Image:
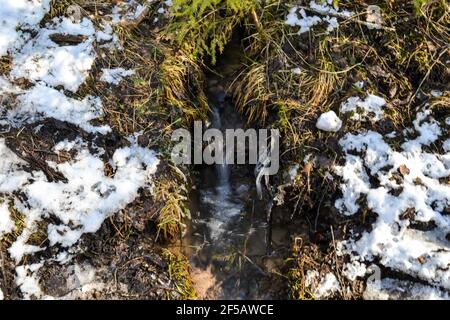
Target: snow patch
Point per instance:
(327, 286)
(16, 18)
(27, 280)
(41, 59)
(409, 191)
(354, 269)
(11, 174)
(44, 102)
(115, 76)
(371, 107)
(6, 224)
(87, 199)
(327, 14)
(402, 290)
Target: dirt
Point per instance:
(205, 283)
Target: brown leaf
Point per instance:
(404, 170)
(418, 182)
(421, 259)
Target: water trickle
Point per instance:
(227, 236)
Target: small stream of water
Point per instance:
(228, 231)
(227, 236)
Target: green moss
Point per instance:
(179, 273)
(418, 5)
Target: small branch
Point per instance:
(256, 20)
(66, 38)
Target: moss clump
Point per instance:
(418, 4)
(179, 273)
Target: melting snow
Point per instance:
(327, 286)
(328, 15)
(16, 18)
(41, 59)
(45, 102)
(28, 281)
(6, 224)
(408, 191)
(87, 199)
(363, 109)
(400, 289)
(115, 76)
(354, 270)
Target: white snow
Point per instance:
(296, 71)
(41, 59)
(311, 277)
(436, 93)
(402, 290)
(327, 14)
(359, 84)
(305, 22)
(126, 11)
(446, 145)
(27, 280)
(329, 121)
(327, 286)
(421, 254)
(11, 175)
(354, 269)
(1, 295)
(16, 18)
(115, 76)
(45, 102)
(89, 197)
(6, 224)
(371, 107)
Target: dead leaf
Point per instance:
(421, 259)
(419, 182)
(404, 170)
